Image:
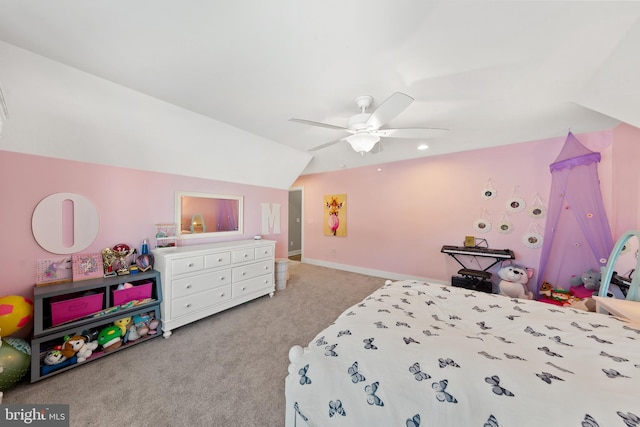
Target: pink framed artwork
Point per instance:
(87, 266)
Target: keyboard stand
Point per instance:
(478, 280)
(496, 254)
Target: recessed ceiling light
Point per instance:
(423, 147)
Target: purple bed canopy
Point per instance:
(577, 235)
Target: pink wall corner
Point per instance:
(129, 203)
(400, 217)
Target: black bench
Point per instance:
(476, 280)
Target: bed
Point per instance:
(420, 354)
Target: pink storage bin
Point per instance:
(138, 292)
(75, 308)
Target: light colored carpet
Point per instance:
(225, 370)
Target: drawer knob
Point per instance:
(244, 273)
(244, 289)
(219, 259)
(221, 295)
(246, 255)
(222, 278)
(188, 305)
(190, 264)
(188, 286)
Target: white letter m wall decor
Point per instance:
(270, 218)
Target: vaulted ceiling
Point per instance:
(492, 72)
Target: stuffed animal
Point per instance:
(54, 357)
(546, 289)
(123, 324)
(146, 324)
(514, 281)
(591, 280)
(110, 338)
(79, 346)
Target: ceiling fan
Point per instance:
(364, 128)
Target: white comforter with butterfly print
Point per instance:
(418, 354)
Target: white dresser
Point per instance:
(200, 280)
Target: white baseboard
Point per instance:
(371, 272)
(298, 252)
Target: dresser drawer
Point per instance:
(217, 260)
(202, 300)
(252, 285)
(264, 252)
(185, 265)
(242, 255)
(252, 270)
(202, 282)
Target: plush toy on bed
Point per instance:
(514, 281)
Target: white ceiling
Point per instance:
(493, 72)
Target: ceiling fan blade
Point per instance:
(389, 109)
(325, 145)
(379, 148)
(415, 133)
(324, 125)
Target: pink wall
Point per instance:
(625, 183)
(128, 201)
(401, 216)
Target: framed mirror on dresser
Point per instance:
(208, 215)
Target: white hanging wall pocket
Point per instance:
(505, 226)
(537, 208)
(515, 203)
(488, 192)
(482, 224)
(533, 239)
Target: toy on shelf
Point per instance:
(54, 360)
(165, 235)
(78, 346)
(53, 357)
(123, 324)
(145, 324)
(110, 338)
(514, 281)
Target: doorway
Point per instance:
(296, 196)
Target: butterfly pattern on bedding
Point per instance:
(467, 358)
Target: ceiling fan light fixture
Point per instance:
(363, 142)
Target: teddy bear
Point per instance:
(514, 281)
(79, 346)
